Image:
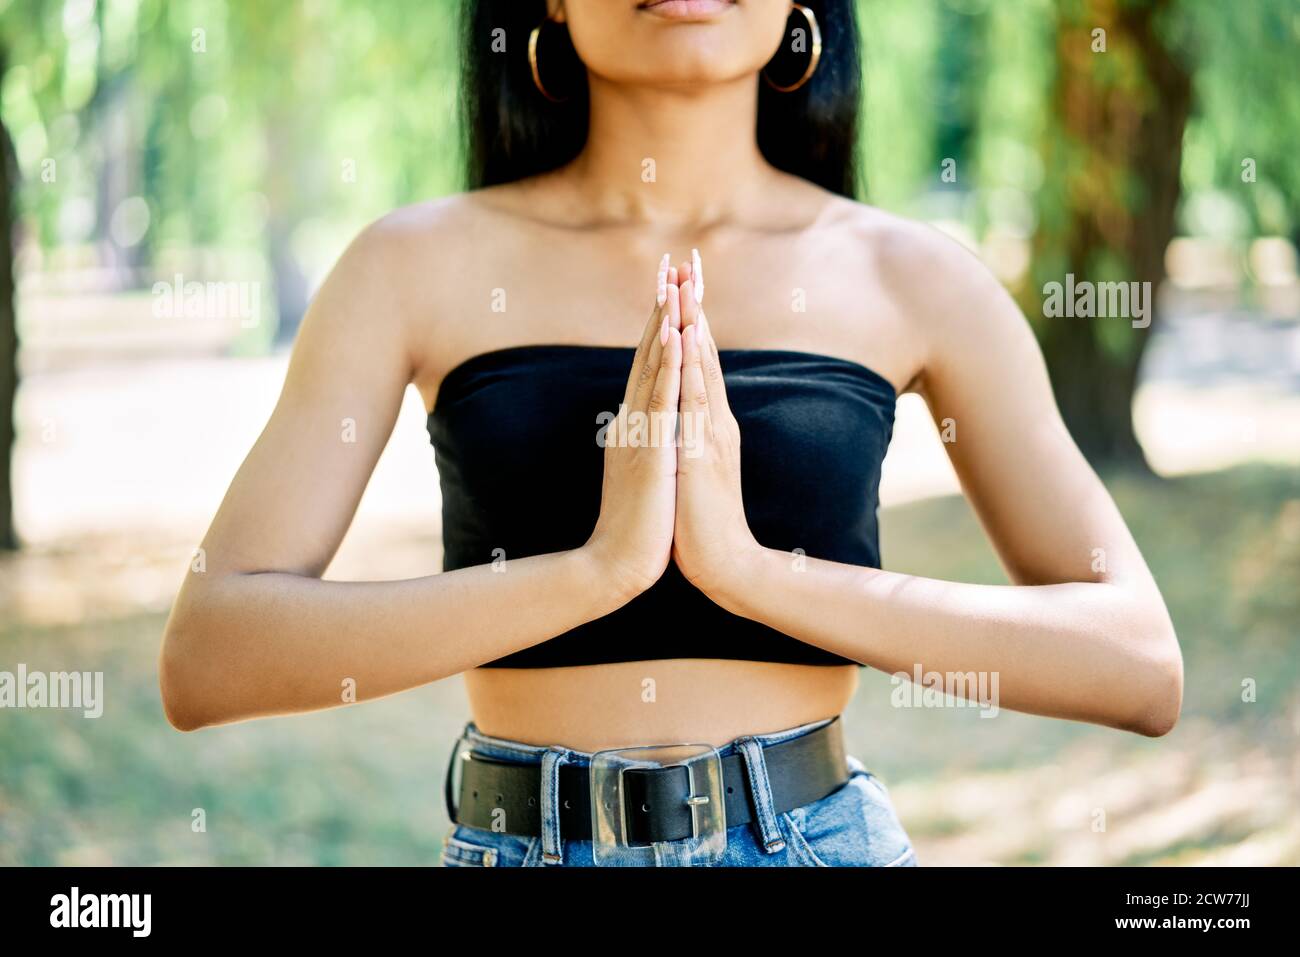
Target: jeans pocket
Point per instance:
(854, 826)
(473, 847)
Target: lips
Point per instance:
(686, 9)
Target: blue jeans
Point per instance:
(854, 826)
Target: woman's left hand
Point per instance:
(711, 538)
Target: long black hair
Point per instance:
(513, 131)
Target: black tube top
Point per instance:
(514, 438)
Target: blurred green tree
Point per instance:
(1111, 153)
(1244, 132)
(8, 329)
(1149, 104)
(29, 39)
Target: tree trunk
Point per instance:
(8, 332)
(289, 193)
(1112, 163)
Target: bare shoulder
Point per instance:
(410, 259)
(389, 252)
(420, 239)
(930, 272)
(412, 269)
(404, 238)
(947, 296)
(918, 297)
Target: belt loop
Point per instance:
(760, 788)
(552, 847)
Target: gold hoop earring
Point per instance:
(532, 62)
(816, 54)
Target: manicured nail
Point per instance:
(663, 332)
(662, 291)
(697, 275)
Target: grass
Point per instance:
(1225, 548)
(364, 785)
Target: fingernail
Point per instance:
(697, 275)
(662, 290)
(663, 332)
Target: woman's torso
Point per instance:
(803, 274)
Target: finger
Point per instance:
(671, 321)
(694, 402)
(650, 335)
(673, 304)
(697, 275)
(661, 281)
(646, 368)
(711, 362)
(647, 364)
(690, 306)
(667, 388)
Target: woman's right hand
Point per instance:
(633, 538)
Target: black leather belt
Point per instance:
(800, 770)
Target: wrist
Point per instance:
(736, 580)
(610, 579)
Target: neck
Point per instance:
(671, 156)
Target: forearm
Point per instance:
(249, 645)
(1089, 651)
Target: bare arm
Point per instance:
(258, 633)
(1082, 634)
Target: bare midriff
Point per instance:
(680, 700)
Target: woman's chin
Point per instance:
(692, 65)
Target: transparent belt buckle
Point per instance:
(705, 798)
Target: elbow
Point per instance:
(178, 678)
(1162, 695)
(181, 720)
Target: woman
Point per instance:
(623, 595)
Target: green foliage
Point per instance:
(899, 49)
(231, 112)
(1247, 107)
(223, 114)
